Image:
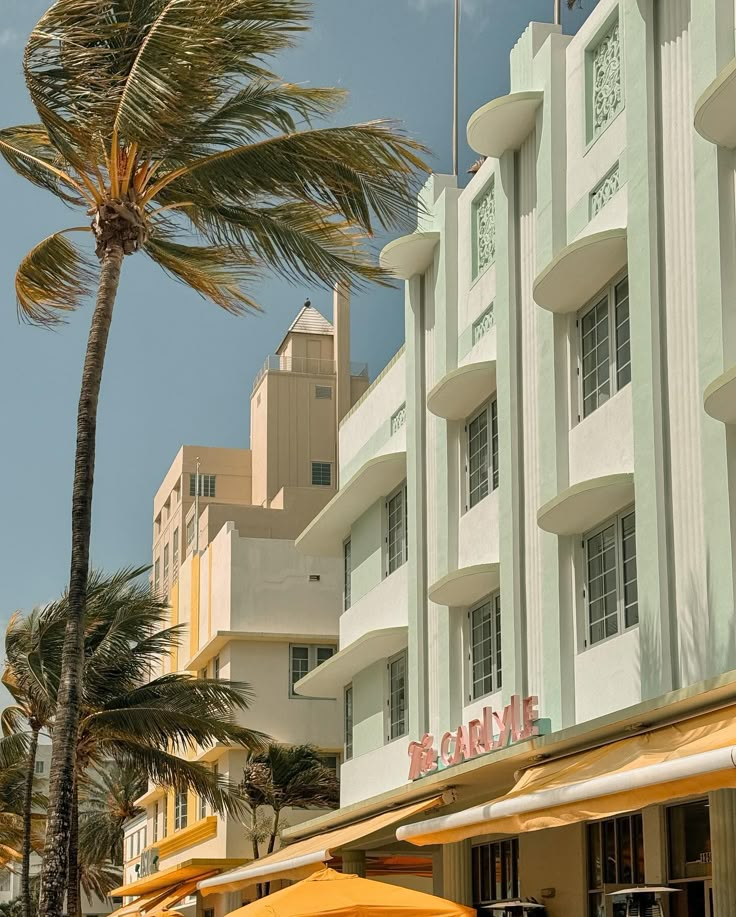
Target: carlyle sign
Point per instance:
(519, 720)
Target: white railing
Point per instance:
(313, 366)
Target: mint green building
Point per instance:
(536, 511)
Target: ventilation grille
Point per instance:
(323, 392)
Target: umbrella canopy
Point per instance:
(338, 895)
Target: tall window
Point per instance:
(39, 768)
(180, 811)
(482, 461)
(397, 724)
(397, 537)
(190, 531)
(348, 722)
(615, 857)
(302, 659)
(347, 572)
(216, 667)
(495, 870)
(175, 550)
(4, 880)
(166, 563)
(322, 474)
(611, 586)
(206, 485)
(605, 347)
(155, 822)
(485, 647)
(689, 841)
(202, 807)
(156, 576)
(165, 818)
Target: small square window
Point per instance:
(207, 483)
(322, 474)
(302, 659)
(323, 392)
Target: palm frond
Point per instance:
(28, 149)
(52, 278)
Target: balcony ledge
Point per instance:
(466, 586)
(462, 390)
(581, 270)
(375, 479)
(329, 678)
(503, 124)
(719, 398)
(586, 504)
(714, 109)
(409, 255)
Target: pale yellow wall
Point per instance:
(555, 859)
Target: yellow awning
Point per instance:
(159, 903)
(673, 762)
(168, 879)
(303, 858)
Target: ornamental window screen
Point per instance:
(606, 84)
(611, 580)
(397, 537)
(483, 324)
(495, 870)
(484, 230)
(605, 190)
(397, 720)
(484, 624)
(605, 347)
(398, 419)
(482, 462)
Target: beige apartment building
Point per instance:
(254, 609)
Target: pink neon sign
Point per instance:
(517, 721)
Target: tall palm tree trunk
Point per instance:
(73, 892)
(61, 780)
(25, 875)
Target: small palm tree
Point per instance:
(162, 121)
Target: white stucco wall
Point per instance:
(478, 533)
(384, 606)
(375, 772)
(608, 676)
(603, 442)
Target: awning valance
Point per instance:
(685, 759)
(299, 860)
(168, 879)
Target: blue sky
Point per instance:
(178, 369)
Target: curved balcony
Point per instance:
(409, 255)
(503, 124)
(466, 586)
(375, 479)
(714, 110)
(581, 270)
(719, 398)
(586, 504)
(462, 390)
(329, 678)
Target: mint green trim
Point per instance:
(579, 215)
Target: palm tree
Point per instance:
(284, 777)
(163, 122)
(108, 802)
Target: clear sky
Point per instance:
(178, 369)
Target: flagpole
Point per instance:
(558, 12)
(455, 87)
(196, 510)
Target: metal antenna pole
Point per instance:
(455, 87)
(196, 510)
(558, 12)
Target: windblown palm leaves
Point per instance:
(163, 117)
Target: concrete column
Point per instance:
(353, 862)
(723, 845)
(457, 878)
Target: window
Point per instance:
(180, 811)
(4, 880)
(165, 818)
(166, 563)
(331, 762)
(175, 550)
(605, 349)
(615, 857)
(155, 822)
(610, 578)
(202, 807)
(156, 576)
(39, 768)
(206, 485)
(495, 869)
(216, 667)
(348, 722)
(397, 724)
(482, 462)
(347, 571)
(322, 474)
(305, 658)
(688, 841)
(484, 624)
(208, 912)
(396, 538)
(190, 531)
(323, 392)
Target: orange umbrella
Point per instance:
(332, 893)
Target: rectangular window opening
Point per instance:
(322, 474)
(604, 347)
(610, 578)
(397, 706)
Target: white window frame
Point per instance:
(622, 627)
(490, 409)
(312, 654)
(155, 821)
(39, 767)
(347, 574)
(494, 600)
(322, 466)
(398, 657)
(181, 811)
(207, 485)
(348, 722)
(608, 292)
(216, 667)
(404, 556)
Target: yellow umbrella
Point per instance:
(332, 893)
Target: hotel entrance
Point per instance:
(689, 859)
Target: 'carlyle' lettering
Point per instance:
(495, 730)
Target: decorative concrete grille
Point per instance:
(485, 230)
(398, 419)
(607, 92)
(604, 191)
(483, 324)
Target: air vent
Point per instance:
(314, 577)
(323, 392)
